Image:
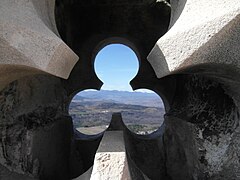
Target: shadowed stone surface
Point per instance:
(8, 175)
(214, 116)
(35, 135)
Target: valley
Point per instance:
(141, 112)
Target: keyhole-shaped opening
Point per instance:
(142, 110)
(116, 65)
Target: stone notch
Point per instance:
(116, 123)
(206, 33)
(29, 41)
(111, 159)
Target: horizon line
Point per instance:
(133, 91)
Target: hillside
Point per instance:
(125, 97)
(138, 109)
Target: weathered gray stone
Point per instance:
(33, 129)
(213, 116)
(29, 42)
(207, 32)
(5, 174)
(111, 159)
(181, 150)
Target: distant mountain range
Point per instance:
(92, 110)
(123, 97)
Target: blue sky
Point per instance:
(116, 65)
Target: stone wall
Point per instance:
(194, 66)
(35, 128)
(206, 105)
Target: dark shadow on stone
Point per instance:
(116, 123)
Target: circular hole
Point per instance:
(144, 113)
(116, 65)
(89, 114)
